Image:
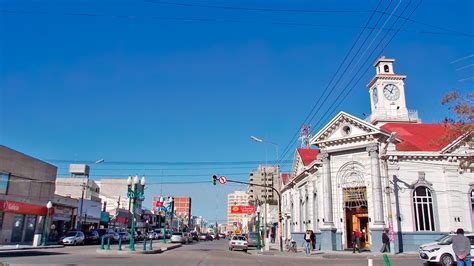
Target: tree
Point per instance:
(461, 121)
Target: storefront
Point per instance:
(20, 221)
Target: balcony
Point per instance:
(389, 116)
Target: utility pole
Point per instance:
(84, 185)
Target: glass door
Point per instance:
(30, 228)
(17, 231)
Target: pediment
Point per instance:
(344, 126)
(460, 146)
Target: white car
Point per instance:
(238, 242)
(179, 237)
(73, 238)
(441, 251)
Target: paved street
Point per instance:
(202, 253)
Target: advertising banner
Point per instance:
(245, 209)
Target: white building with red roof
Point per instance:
(386, 172)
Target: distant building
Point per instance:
(238, 198)
(26, 186)
(64, 218)
(264, 175)
(182, 209)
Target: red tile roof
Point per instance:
(421, 137)
(308, 155)
(285, 177)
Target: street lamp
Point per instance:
(135, 192)
(166, 209)
(259, 140)
(258, 229)
(49, 205)
(391, 139)
(84, 185)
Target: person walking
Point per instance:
(462, 248)
(313, 239)
(355, 241)
(307, 243)
(385, 242)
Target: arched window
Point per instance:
(423, 207)
(386, 69)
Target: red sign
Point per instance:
(158, 203)
(222, 180)
(24, 208)
(122, 220)
(243, 209)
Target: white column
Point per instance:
(377, 196)
(311, 214)
(327, 189)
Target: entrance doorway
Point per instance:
(357, 215)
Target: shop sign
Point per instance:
(246, 209)
(23, 208)
(104, 217)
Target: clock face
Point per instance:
(375, 96)
(391, 92)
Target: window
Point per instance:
(386, 69)
(3, 183)
(423, 208)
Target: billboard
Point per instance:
(245, 209)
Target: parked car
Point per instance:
(252, 239)
(221, 235)
(188, 237)
(159, 233)
(209, 237)
(92, 237)
(179, 237)
(73, 238)
(195, 236)
(106, 233)
(202, 237)
(441, 251)
(152, 235)
(115, 237)
(238, 242)
(140, 236)
(125, 236)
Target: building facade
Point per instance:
(387, 172)
(26, 186)
(235, 221)
(64, 218)
(266, 176)
(182, 210)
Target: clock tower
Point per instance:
(387, 95)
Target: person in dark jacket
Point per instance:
(355, 241)
(385, 242)
(462, 248)
(313, 239)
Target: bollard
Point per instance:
(387, 261)
(120, 244)
(102, 243)
(108, 243)
(151, 244)
(144, 245)
(370, 262)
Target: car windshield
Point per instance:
(177, 234)
(71, 234)
(239, 238)
(252, 235)
(447, 240)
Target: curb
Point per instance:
(154, 251)
(2, 250)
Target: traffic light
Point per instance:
(214, 179)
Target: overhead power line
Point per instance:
(165, 163)
(305, 11)
(214, 20)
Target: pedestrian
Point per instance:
(313, 240)
(355, 241)
(385, 242)
(307, 242)
(462, 248)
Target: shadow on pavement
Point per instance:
(25, 253)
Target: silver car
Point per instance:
(73, 238)
(179, 237)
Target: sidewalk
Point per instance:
(157, 248)
(274, 251)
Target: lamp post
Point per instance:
(84, 185)
(258, 228)
(259, 140)
(49, 205)
(135, 192)
(384, 157)
(167, 209)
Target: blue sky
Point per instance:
(159, 89)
